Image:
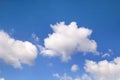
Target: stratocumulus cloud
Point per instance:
(68, 39)
(16, 52)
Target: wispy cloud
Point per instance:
(107, 54)
(35, 37)
(67, 77)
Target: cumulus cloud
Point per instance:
(67, 39)
(74, 68)
(67, 77)
(16, 52)
(104, 70)
(2, 78)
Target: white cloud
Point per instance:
(67, 77)
(2, 78)
(67, 39)
(74, 68)
(104, 70)
(16, 52)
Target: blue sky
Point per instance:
(27, 20)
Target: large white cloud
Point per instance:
(74, 68)
(16, 52)
(104, 70)
(67, 39)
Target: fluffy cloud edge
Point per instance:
(67, 40)
(16, 52)
(104, 70)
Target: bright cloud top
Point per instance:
(104, 70)
(74, 68)
(67, 39)
(16, 52)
